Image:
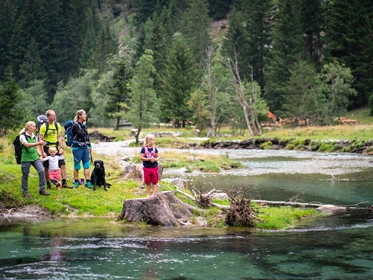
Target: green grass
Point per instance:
(283, 217)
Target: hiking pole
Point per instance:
(90, 153)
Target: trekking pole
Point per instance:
(90, 153)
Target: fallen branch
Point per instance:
(287, 203)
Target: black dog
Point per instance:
(98, 175)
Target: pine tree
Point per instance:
(178, 82)
(349, 39)
(195, 28)
(259, 34)
(118, 103)
(287, 48)
(219, 8)
(9, 97)
(6, 26)
(32, 67)
(236, 42)
(143, 108)
(312, 20)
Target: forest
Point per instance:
(210, 63)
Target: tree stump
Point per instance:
(163, 209)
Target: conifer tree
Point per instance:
(143, 107)
(178, 81)
(118, 103)
(349, 39)
(32, 67)
(195, 28)
(259, 36)
(9, 97)
(236, 42)
(287, 48)
(6, 26)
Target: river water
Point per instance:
(331, 247)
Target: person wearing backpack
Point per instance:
(149, 157)
(81, 147)
(31, 154)
(50, 132)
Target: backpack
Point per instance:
(18, 148)
(69, 132)
(151, 154)
(40, 120)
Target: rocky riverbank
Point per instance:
(354, 146)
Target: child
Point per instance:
(54, 169)
(149, 157)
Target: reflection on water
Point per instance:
(98, 249)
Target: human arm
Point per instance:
(42, 131)
(60, 140)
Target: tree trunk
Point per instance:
(164, 209)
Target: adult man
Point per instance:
(53, 138)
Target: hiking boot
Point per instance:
(76, 184)
(88, 185)
(43, 192)
(26, 195)
(66, 186)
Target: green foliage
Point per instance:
(143, 107)
(179, 79)
(329, 147)
(75, 95)
(9, 97)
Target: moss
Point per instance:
(266, 145)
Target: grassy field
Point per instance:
(84, 202)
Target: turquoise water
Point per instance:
(333, 247)
(338, 248)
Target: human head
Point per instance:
(149, 140)
(52, 151)
(80, 116)
(51, 115)
(30, 127)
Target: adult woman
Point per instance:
(31, 155)
(81, 147)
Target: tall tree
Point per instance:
(143, 108)
(219, 8)
(6, 26)
(287, 48)
(118, 103)
(195, 28)
(9, 97)
(32, 67)
(236, 43)
(178, 81)
(349, 38)
(215, 88)
(259, 33)
(312, 20)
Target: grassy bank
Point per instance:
(82, 202)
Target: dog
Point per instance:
(98, 175)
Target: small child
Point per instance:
(54, 169)
(149, 157)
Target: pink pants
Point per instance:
(54, 176)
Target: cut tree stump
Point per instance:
(164, 209)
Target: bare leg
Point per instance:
(63, 172)
(76, 174)
(86, 174)
(148, 189)
(155, 187)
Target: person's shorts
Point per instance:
(46, 163)
(151, 175)
(81, 154)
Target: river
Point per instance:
(331, 247)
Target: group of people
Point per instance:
(46, 153)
